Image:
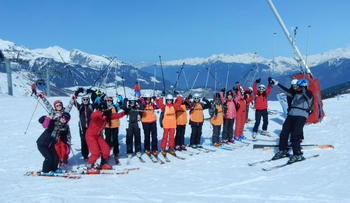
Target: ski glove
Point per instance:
(258, 80)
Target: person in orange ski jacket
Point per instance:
(96, 144)
(260, 96)
(196, 119)
(181, 121)
(168, 121)
(149, 123)
(216, 119)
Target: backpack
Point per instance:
(161, 117)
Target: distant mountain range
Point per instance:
(77, 68)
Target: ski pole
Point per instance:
(161, 67)
(36, 106)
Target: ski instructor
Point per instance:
(300, 108)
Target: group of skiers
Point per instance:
(99, 113)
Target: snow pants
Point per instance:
(227, 132)
(97, 145)
(51, 158)
(133, 132)
(168, 133)
(112, 139)
(83, 144)
(216, 133)
(180, 135)
(293, 125)
(258, 114)
(240, 122)
(150, 129)
(196, 133)
(62, 150)
(137, 93)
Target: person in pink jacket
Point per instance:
(260, 96)
(229, 110)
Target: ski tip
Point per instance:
(325, 146)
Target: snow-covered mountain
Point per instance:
(76, 67)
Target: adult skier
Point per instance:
(54, 128)
(168, 121)
(196, 119)
(97, 145)
(137, 90)
(260, 96)
(300, 108)
(149, 123)
(216, 119)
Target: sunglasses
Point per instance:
(110, 100)
(197, 98)
(85, 99)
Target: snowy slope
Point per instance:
(221, 176)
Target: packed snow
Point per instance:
(221, 176)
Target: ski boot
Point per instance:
(183, 147)
(237, 138)
(231, 141)
(163, 152)
(155, 153)
(105, 165)
(217, 144)
(171, 150)
(147, 152)
(265, 133)
(254, 135)
(295, 158)
(280, 154)
(242, 137)
(91, 169)
(178, 148)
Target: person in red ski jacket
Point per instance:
(95, 141)
(260, 95)
(137, 89)
(241, 116)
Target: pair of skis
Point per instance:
(267, 147)
(281, 165)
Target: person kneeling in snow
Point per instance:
(95, 141)
(47, 140)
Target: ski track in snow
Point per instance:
(221, 176)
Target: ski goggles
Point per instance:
(196, 98)
(59, 105)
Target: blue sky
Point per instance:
(141, 30)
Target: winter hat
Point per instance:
(56, 102)
(66, 116)
(169, 97)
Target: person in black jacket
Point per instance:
(85, 109)
(133, 131)
(301, 105)
(47, 140)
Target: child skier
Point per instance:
(149, 124)
(97, 145)
(133, 131)
(196, 119)
(216, 119)
(168, 121)
(261, 95)
(46, 142)
(181, 121)
(249, 100)
(112, 129)
(85, 110)
(229, 110)
(241, 117)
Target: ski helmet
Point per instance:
(262, 87)
(66, 116)
(303, 83)
(169, 97)
(196, 96)
(294, 82)
(57, 102)
(85, 98)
